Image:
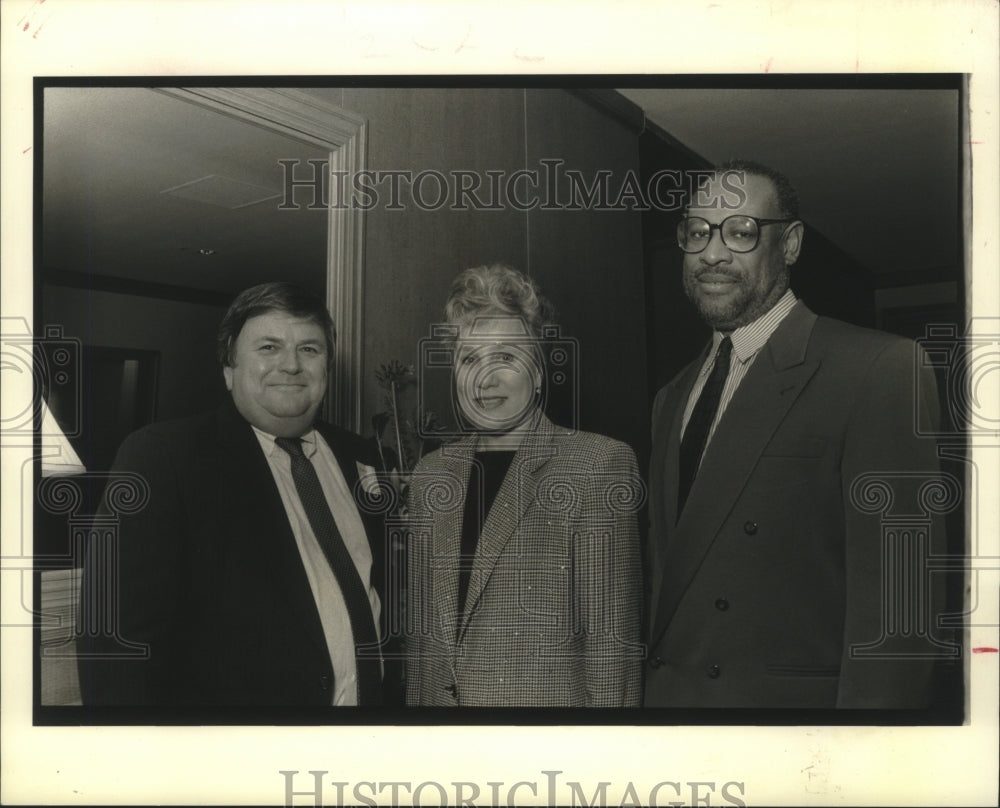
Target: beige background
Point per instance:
(794, 766)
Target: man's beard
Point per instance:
(744, 305)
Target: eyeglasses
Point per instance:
(739, 233)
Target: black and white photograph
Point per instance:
(394, 420)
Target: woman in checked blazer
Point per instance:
(524, 583)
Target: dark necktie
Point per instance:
(700, 422)
(355, 595)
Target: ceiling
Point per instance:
(877, 170)
(144, 186)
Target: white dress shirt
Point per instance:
(326, 591)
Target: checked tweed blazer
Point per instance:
(553, 606)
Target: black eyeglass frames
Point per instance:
(739, 233)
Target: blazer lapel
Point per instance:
(262, 531)
(446, 539)
(348, 457)
(764, 397)
(515, 496)
(665, 472)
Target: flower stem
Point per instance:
(395, 423)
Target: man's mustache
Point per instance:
(724, 273)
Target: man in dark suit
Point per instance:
(780, 458)
(252, 575)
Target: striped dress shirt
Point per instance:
(747, 342)
(326, 591)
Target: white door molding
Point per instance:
(344, 134)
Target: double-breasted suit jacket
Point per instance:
(554, 599)
(774, 587)
(209, 577)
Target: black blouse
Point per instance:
(485, 478)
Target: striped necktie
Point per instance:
(337, 555)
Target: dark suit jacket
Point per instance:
(776, 566)
(209, 577)
(553, 607)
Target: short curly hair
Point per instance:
(788, 197)
(265, 298)
(498, 290)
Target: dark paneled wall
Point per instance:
(675, 332)
(412, 255)
(588, 262)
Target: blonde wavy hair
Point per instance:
(498, 289)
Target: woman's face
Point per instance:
(497, 376)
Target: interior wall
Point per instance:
(675, 332)
(832, 283)
(413, 254)
(589, 262)
(188, 380)
(183, 333)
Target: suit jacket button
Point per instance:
(655, 662)
(721, 604)
(452, 691)
(750, 528)
(713, 672)
(324, 682)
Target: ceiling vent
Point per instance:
(222, 192)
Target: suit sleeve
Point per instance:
(889, 467)
(656, 529)
(131, 591)
(608, 579)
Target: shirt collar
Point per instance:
(750, 338)
(267, 443)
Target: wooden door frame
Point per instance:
(344, 134)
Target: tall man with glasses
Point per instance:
(774, 580)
